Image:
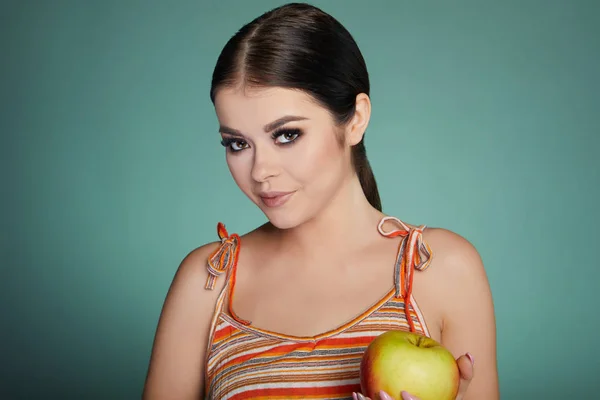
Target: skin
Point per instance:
(319, 261)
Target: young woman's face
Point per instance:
(283, 151)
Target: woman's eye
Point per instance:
(238, 145)
(287, 137)
(234, 145)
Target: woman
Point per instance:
(287, 310)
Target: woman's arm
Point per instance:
(176, 369)
(468, 311)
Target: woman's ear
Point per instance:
(358, 125)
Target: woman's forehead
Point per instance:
(263, 105)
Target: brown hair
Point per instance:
(301, 47)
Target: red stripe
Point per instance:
(224, 332)
(283, 349)
(342, 390)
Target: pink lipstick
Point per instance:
(275, 199)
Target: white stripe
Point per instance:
(348, 335)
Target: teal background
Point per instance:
(485, 121)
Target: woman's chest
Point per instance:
(305, 304)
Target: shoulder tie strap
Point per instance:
(224, 258)
(413, 254)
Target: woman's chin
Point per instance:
(283, 218)
(282, 221)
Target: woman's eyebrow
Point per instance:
(229, 131)
(271, 126)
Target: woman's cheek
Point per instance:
(316, 158)
(240, 172)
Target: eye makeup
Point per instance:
(231, 142)
(290, 135)
(282, 136)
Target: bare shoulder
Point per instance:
(455, 256)
(176, 367)
(187, 290)
(192, 269)
(457, 272)
(459, 280)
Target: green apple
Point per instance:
(398, 360)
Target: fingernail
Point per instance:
(406, 396)
(471, 358)
(384, 396)
(354, 396)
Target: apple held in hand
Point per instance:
(398, 360)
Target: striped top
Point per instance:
(246, 362)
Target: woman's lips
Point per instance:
(275, 199)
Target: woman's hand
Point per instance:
(466, 368)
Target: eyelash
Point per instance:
(227, 142)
